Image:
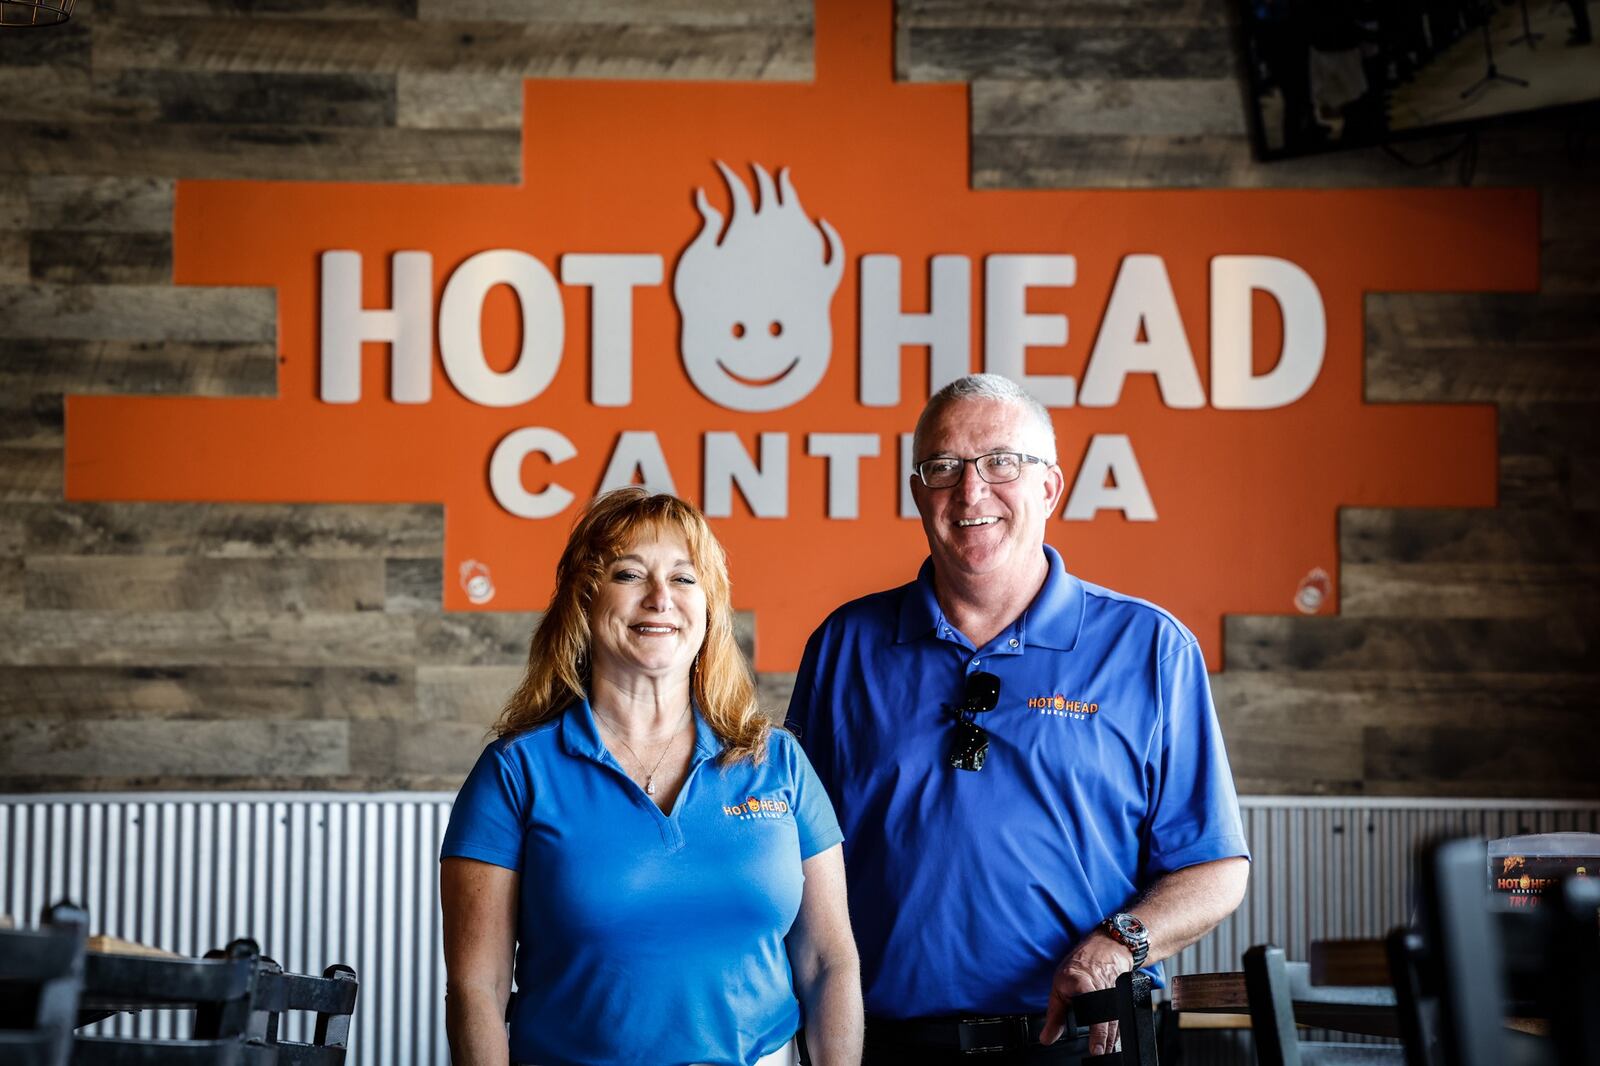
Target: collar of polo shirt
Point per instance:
(580, 735)
(1053, 620)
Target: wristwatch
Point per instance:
(1131, 933)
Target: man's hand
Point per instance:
(1094, 964)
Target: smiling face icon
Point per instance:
(755, 304)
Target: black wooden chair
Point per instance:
(1416, 1004)
(1471, 965)
(1281, 993)
(1574, 992)
(41, 977)
(331, 997)
(1127, 1004)
(218, 989)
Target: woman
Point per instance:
(660, 858)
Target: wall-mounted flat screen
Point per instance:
(1326, 74)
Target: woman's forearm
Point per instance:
(833, 1017)
(476, 1026)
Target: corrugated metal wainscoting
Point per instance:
(315, 879)
(323, 878)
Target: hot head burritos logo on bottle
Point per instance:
(745, 292)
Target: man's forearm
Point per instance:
(1185, 905)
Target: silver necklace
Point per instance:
(649, 778)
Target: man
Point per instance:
(1088, 824)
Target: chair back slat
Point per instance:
(1128, 1004)
(1461, 938)
(1413, 1001)
(218, 987)
(34, 955)
(158, 981)
(1271, 1007)
(1136, 1019)
(332, 993)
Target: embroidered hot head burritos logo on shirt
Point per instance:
(756, 807)
(1059, 706)
(649, 301)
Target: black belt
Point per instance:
(1003, 1032)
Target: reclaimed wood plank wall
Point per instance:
(181, 646)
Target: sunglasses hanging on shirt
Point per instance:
(970, 743)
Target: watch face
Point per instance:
(1130, 925)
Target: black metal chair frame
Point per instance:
(1127, 1004)
(333, 999)
(1575, 934)
(1471, 963)
(41, 978)
(1281, 993)
(218, 989)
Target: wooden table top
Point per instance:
(110, 945)
(1345, 986)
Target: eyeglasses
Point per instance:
(970, 743)
(996, 468)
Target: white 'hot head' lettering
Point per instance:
(755, 299)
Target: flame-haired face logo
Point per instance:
(755, 298)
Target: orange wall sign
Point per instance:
(746, 290)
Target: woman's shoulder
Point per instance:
(782, 743)
(784, 756)
(528, 743)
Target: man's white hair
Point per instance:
(982, 387)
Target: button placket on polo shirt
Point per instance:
(671, 825)
(1006, 644)
(671, 834)
(668, 825)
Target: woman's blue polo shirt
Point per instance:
(645, 937)
(1105, 771)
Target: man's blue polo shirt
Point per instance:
(1105, 770)
(645, 937)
